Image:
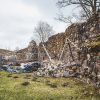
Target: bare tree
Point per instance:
(44, 31)
(90, 7)
(64, 19)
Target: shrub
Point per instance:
(65, 84)
(53, 85)
(25, 83)
(48, 82)
(9, 75)
(34, 79)
(15, 77)
(27, 77)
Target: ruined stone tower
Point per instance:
(32, 54)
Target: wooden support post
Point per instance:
(70, 51)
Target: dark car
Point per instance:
(4, 68)
(32, 67)
(27, 69)
(8, 69)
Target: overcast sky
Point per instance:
(19, 17)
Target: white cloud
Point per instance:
(18, 18)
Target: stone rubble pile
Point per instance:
(58, 70)
(88, 71)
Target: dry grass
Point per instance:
(40, 88)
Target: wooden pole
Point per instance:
(70, 51)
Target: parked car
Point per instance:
(10, 70)
(4, 68)
(35, 66)
(30, 67)
(7, 68)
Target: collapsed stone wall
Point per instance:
(4, 52)
(28, 54)
(24, 55)
(78, 33)
(54, 46)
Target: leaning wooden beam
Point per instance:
(70, 51)
(47, 52)
(66, 42)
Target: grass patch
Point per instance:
(40, 88)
